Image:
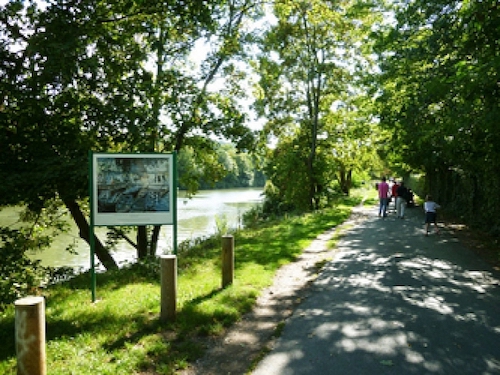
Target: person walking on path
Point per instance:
(430, 208)
(394, 194)
(383, 195)
(401, 200)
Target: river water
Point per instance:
(200, 216)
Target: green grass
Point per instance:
(122, 333)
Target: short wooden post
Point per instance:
(30, 336)
(168, 287)
(227, 260)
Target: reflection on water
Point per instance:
(196, 217)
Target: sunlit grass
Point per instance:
(121, 333)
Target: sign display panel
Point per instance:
(132, 189)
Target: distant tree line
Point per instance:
(237, 170)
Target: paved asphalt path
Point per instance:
(393, 301)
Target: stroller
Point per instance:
(410, 202)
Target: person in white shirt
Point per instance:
(430, 208)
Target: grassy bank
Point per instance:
(122, 334)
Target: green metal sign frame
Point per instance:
(132, 190)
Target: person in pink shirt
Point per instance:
(383, 195)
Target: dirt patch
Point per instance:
(244, 343)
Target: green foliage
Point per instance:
(311, 79)
(19, 276)
(274, 204)
(440, 100)
(221, 168)
(222, 225)
(198, 164)
(29, 232)
(288, 174)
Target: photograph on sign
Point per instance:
(132, 189)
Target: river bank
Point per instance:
(122, 334)
(200, 216)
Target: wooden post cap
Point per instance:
(28, 301)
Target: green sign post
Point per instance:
(132, 190)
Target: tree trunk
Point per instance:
(100, 251)
(348, 181)
(142, 242)
(345, 180)
(312, 185)
(154, 240)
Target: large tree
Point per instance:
(311, 58)
(351, 140)
(91, 75)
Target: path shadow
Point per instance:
(395, 302)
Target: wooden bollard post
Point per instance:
(168, 287)
(30, 336)
(227, 260)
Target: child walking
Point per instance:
(430, 208)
